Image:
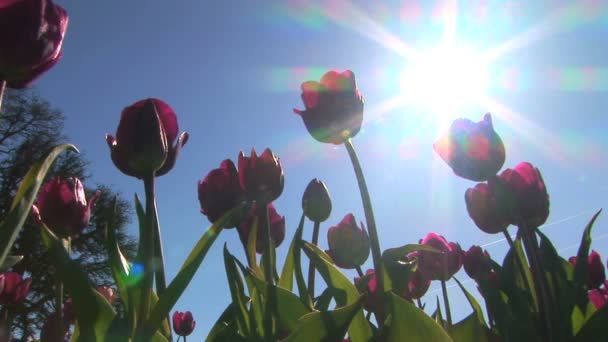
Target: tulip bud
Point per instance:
(63, 207)
(485, 208)
(598, 297)
(435, 265)
(349, 245)
(220, 191)
(183, 323)
(31, 38)
(455, 256)
(417, 285)
(107, 293)
(477, 263)
(277, 228)
(372, 301)
(144, 139)
(316, 202)
(261, 177)
(334, 107)
(597, 275)
(14, 288)
(528, 195)
(473, 150)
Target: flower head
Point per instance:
(183, 323)
(436, 265)
(144, 142)
(334, 107)
(277, 228)
(529, 201)
(596, 275)
(316, 202)
(477, 263)
(486, 207)
(417, 285)
(261, 177)
(473, 150)
(13, 288)
(220, 191)
(63, 207)
(372, 301)
(31, 37)
(349, 245)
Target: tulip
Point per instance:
(348, 244)
(49, 329)
(183, 323)
(477, 263)
(372, 301)
(144, 143)
(473, 150)
(417, 285)
(529, 205)
(598, 297)
(261, 177)
(596, 274)
(63, 207)
(31, 38)
(220, 191)
(277, 228)
(107, 293)
(13, 288)
(334, 107)
(455, 256)
(434, 265)
(485, 206)
(316, 201)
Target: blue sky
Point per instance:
(232, 69)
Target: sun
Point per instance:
(445, 80)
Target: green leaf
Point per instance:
(10, 261)
(359, 329)
(473, 302)
(24, 199)
(186, 272)
(325, 326)
(408, 323)
(237, 292)
(251, 246)
(95, 314)
(141, 218)
(286, 278)
(324, 299)
(437, 314)
(224, 328)
(581, 268)
(595, 327)
(468, 329)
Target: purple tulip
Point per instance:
(261, 177)
(349, 245)
(316, 201)
(220, 191)
(183, 323)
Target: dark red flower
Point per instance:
(334, 107)
(63, 207)
(31, 37)
(261, 177)
(477, 263)
(455, 256)
(108, 293)
(220, 191)
(417, 285)
(473, 150)
(277, 228)
(49, 329)
(433, 265)
(485, 207)
(529, 205)
(372, 301)
(597, 275)
(144, 143)
(598, 297)
(183, 323)
(316, 202)
(13, 288)
(349, 245)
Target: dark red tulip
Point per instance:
(477, 263)
(473, 150)
(484, 206)
(334, 107)
(31, 37)
(49, 329)
(349, 245)
(598, 297)
(183, 323)
(597, 275)
(261, 177)
(63, 207)
(528, 195)
(372, 301)
(220, 191)
(277, 228)
(435, 266)
(417, 285)
(144, 143)
(13, 288)
(455, 256)
(316, 202)
(108, 293)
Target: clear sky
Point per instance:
(232, 71)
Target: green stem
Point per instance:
(161, 283)
(369, 216)
(311, 266)
(148, 251)
(2, 89)
(446, 303)
(360, 272)
(522, 270)
(264, 223)
(419, 303)
(540, 281)
(58, 311)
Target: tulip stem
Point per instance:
(522, 270)
(540, 281)
(311, 266)
(360, 272)
(268, 272)
(446, 303)
(2, 89)
(369, 216)
(148, 251)
(419, 303)
(58, 305)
